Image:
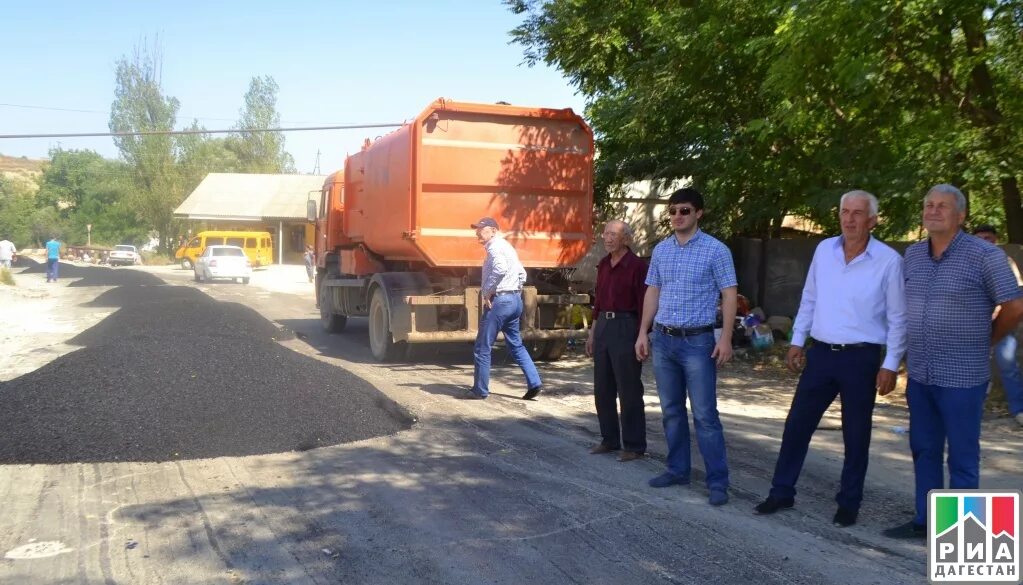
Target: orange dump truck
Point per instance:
(393, 240)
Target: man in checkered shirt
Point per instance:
(688, 273)
(953, 283)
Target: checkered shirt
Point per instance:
(949, 302)
(690, 278)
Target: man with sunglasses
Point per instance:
(689, 272)
(853, 305)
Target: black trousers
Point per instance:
(616, 378)
(850, 374)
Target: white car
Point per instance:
(229, 262)
(124, 255)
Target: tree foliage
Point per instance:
(776, 108)
(141, 106)
(261, 152)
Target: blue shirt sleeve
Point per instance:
(999, 281)
(724, 269)
(653, 273)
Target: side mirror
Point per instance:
(310, 210)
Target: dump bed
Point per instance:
(412, 194)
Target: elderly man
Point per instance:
(953, 284)
(617, 306)
(853, 304)
(1005, 350)
(688, 273)
(501, 290)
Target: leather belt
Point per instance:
(617, 315)
(683, 331)
(508, 292)
(844, 346)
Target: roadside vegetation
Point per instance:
(6, 277)
(130, 200)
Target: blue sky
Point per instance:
(335, 62)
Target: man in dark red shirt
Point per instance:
(617, 307)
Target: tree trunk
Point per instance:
(1013, 210)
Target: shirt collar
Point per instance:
(951, 246)
(696, 237)
(629, 255)
(870, 250)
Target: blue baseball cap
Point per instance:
(485, 222)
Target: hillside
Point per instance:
(22, 169)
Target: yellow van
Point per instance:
(257, 246)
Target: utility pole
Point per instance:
(316, 169)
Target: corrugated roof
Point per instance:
(250, 196)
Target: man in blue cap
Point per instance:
(501, 292)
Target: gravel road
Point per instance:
(174, 374)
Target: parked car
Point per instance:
(227, 262)
(124, 255)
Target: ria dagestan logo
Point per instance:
(973, 536)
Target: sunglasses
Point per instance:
(680, 210)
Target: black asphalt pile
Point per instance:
(174, 374)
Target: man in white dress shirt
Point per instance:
(853, 305)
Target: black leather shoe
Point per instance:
(532, 393)
(601, 448)
(907, 531)
(773, 504)
(845, 517)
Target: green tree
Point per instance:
(140, 105)
(776, 107)
(261, 152)
(17, 207)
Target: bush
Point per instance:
(156, 259)
(6, 277)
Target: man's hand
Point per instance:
(589, 344)
(642, 347)
(795, 359)
(488, 301)
(885, 381)
(722, 351)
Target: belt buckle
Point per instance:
(609, 314)
(837, 346)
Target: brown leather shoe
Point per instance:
(600, 449)
(627, 456)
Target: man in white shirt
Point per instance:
(501, 292)
(7, 252)
(853, 304)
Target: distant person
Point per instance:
(853, 305)
(617, 307)
(8, 253)
(52, 259)
(689, 272)
(501, 293)
(1005, 350)
(310, 261)
(954, 281)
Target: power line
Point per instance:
(185, 132)
(179, 115)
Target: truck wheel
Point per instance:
(186, 264)
(381, 342)
(331, 322)
(553, 349)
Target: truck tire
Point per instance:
(381, 342)
(331, 322)
(553, 349)
(186, 264)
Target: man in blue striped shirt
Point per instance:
(688, 273)
(501, 291)
(954, 281)
(853, 305)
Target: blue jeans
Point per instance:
(684, 364)
(502, 316)
(937, 414)
(52, 266)
(1008, 368)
